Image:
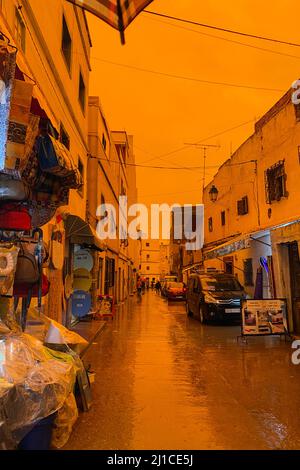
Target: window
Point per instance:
(20, 30)
(242, 206)
(148, 256)
(81, 92)
(223, 218)
(210, 224)
(228, 265)
(275, 182)
(64, 137)
(148, 268)
(66, 44)
(81, 171)
(104, 143)
(147, 244)
(248, 272)
(123, 189)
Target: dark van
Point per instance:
(215, 297)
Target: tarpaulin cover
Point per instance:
(45, 328)
(34, 383)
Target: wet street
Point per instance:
(164, 381)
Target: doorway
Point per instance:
(294, 262)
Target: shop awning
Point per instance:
(81, 233)
(239, 243)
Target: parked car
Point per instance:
(215, 297)
(176, 291)
(165, 282)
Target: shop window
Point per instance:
(242, 206)
(210, 224)
(66, 43)
(20, 29)
(81, 92)
(275, 182)
(248, 272)
(64, 137)
(81, 171)
(223, 218)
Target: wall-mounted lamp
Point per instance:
(213, 193)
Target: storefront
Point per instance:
(285, 246)
(83, 266)
(249, 258)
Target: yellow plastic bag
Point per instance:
(64, 422)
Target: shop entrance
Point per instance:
(295, 284)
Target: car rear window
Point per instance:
(175, 284)
(220, 284)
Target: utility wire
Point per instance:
(154, 166)
(270, 51)
(225, 30)
(191, 79)
(186, 147)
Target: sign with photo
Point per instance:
(264, 317)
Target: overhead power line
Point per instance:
(231, 41)
(225, 30)
(186, 147)
(191, 79)
(154, 166)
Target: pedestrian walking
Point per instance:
(158, 287)
(139, 287)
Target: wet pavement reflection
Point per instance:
(164, 381)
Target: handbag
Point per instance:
(22, 290)
(27, 271)
(12, 189)
(14, 216)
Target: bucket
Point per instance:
(39, 438)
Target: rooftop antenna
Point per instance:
(203, 147)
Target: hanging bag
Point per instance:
(27, 272)
(54, 157)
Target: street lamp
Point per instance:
(213, 193)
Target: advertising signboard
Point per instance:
(264, 317)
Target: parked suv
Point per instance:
(215, 297)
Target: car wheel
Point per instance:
(188, 311)
(202, 315)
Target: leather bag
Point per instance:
(27, 271)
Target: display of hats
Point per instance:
(83, 259)
(81, 303)
(82, 280)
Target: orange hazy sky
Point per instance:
(164, 113)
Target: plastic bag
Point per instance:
(8, 264)
(64, 422)
(8, 316)
(35, 383)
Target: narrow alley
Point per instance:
(165, 381)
